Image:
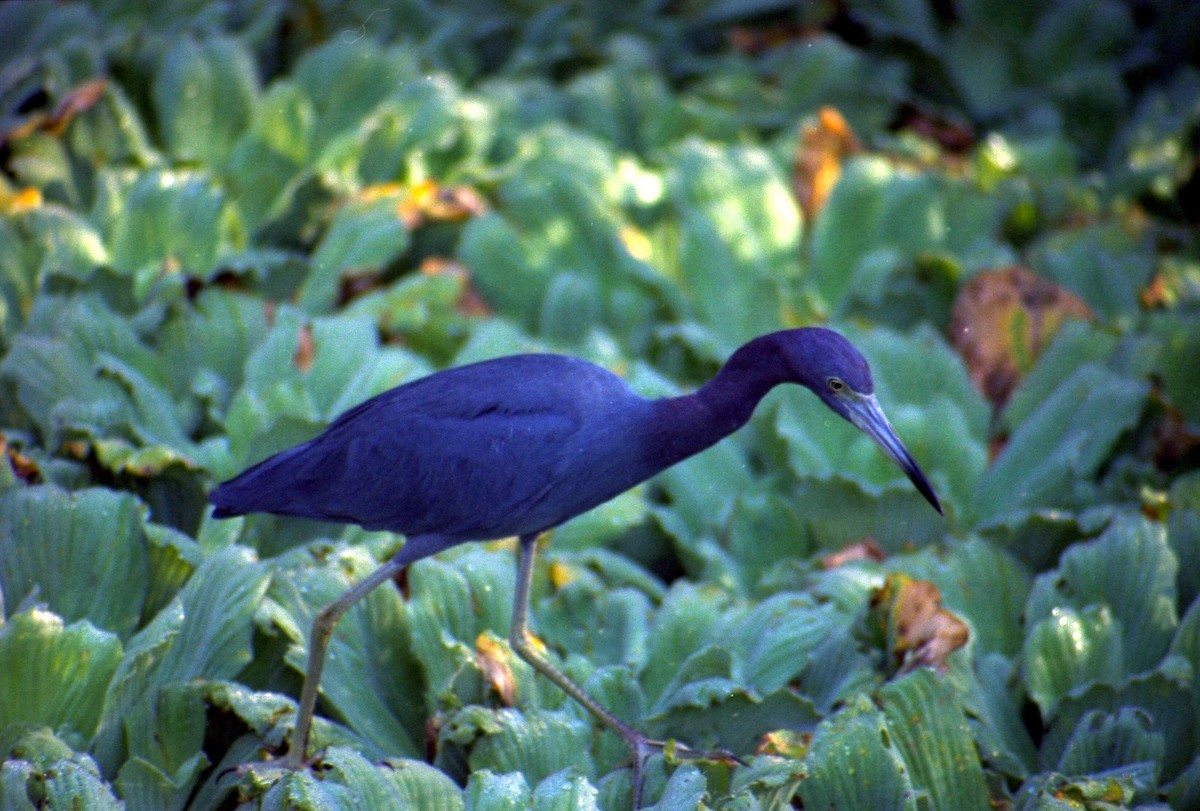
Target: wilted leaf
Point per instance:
(817, 163)
(1003, 320)
(493, 657)
(920, 633)
(863, 550)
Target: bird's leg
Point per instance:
(518, 638)
(318, 643)
(640, 745)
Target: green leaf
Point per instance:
(1131, 570)
(1165, 694)
(1052, 457)
(346, 79)
(776, 638)
(269, 162)
(169, 222)
(403, 783)
(488, 791)
(771, 782)
(686, 620)
(218, 604)
(1071, 648)
(55, 676)
(53, 543)
(1180, 347)
(926, 720)
(40, 771)
(854, 762)
(508, 279)
(1102, 742)
(204, 95)
(536, 744)
(993, 709)
(364, 236)
(988, 587)
(739, 234)
(566, 790)
(686, 788)
(719, 711)
(608, 625)
(66, 243)
(1103, 264)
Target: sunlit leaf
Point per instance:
(53, 543)
(42, 772)
(55, 676)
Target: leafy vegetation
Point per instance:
(225, 223)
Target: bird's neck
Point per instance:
(693, 422)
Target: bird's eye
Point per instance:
(835, 384)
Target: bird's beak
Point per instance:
(864, 412)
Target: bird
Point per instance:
(518, 445)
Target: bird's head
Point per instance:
(832, 368)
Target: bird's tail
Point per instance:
(274, 485)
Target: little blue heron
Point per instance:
(517, 446)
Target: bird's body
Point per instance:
(521, 444)
(495, 449)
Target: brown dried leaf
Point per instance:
(495, 662)
(302, 359)
(953, 136)
(920, 633)
(23, 467)
(866, 549)
(469, 303)
(428, 201)
(20, 201)
(784, 743)
(1175, 443)
(824, 144)
(355, 285)
(1003, 320)
(753, 40)
(77, 100)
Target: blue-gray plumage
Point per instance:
(519, 445)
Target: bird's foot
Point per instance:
(642, 748)
(675, 751)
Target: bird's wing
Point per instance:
(482, 451)
(469, 467)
